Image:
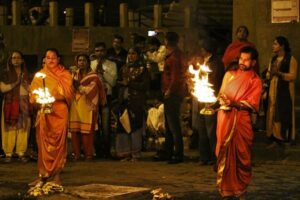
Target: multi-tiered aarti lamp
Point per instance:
(202, 89)
(43, 95)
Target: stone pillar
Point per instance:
(53, 13)
(123, 15)
(69, 17)
(157, 16)
(16, 12)
(131, 19)
(88, 14)
(3, 15)
(187, 17)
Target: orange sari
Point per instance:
(51, 129)
(234, 132)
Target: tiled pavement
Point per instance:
(276, 175)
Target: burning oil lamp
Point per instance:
(202, 89)
(43, 95)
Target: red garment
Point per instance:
(173, 78)
(84, 140)
(12, 98)
(235, 135)
(12, 110)
(232, 52)
(97, 94)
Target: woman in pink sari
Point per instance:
(239, 96)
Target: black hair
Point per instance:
(9, 61)
(119, 37)
(82, 55)
(35, 14)
(172, 38)
(154, 41)
(100, 44)
(282, 41)
(135, 49)
(53, 50)
(244, 27)
(251, 50)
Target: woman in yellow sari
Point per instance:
(89, 93)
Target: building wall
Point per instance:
(34, 40)
(256, 15)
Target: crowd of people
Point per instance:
(101, 102)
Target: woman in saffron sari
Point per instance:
(15, 114)
(51, 128)
(239, 96)
(90, 92)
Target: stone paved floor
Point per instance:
(276, 175)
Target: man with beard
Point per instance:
(239, 96)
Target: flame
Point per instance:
(204, 68)
(202, 89)
(43, 96)
(40, 75)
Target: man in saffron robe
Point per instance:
(51, 128)
(232, 52)
(239, 96)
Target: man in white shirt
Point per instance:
(107, 71)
